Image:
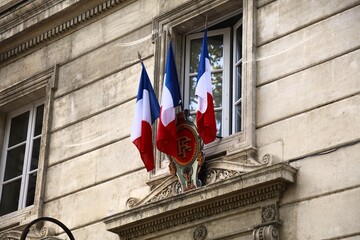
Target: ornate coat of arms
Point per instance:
(190, 158)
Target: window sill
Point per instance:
(16, 218)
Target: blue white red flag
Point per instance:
(205, 115)
(146, 112)
(166, 134)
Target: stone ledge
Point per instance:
(240, 191)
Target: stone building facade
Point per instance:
(286, 82)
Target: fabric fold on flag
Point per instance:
(205, 115)
(170, 99)
(146, 112)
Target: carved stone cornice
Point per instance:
(59, 29)
(237, 192)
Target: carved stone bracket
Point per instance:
(269, 228)
(269, 232)
(42, 233)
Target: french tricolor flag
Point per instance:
(146, 112)
(166, 135)
(205, 115)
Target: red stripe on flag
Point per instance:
(166, 140)
(206, 123)
(145, 146)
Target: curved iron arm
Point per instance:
(53, 220)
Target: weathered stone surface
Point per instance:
(331, 216)
(284, 16)
(101, 165)
(112, 90)
(90, 133)
(17, 22)
(65, 49)
(95, 203)
(316, 130)
(133, 16)
(261, 3)
(92, 231)
(326, 173)
(308, 89)
(306, 47)
(22, 69)
(103, 61)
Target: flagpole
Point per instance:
(171, 38)
(206, 21)
(139, 56)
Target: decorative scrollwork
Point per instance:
(268, 213)
(35, 233)
(177, 189)
(131, 202)
(216, 175)
(171, 190)
(200, 233)
(266, 159)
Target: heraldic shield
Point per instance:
(190, 158)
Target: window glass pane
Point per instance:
(238, 43)
(18, 130)
(218, 116)
(35, 154)
(31, 189)
(14, 162)
(39, 119)
(215, 48)
(238, 118)
(195, 50)
(216, 80)
(10, 197)
(192, 100)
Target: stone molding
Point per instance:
(267, 183)
(25, 87)
(43, 233)
(59, 29)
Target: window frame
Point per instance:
(26, 171)
(41, 85)
(235, 63)
(189, 18)
(225, 32)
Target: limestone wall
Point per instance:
(91, 154)
(308, 111)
